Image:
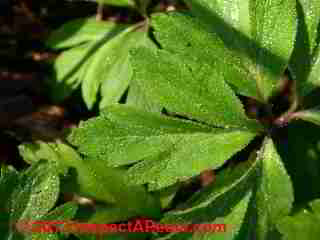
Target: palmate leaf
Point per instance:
(188, 88)
(304, 224)
(98, 59)
(29, 195)
(165, 150)
(305, 61)
(254, 31)
(85, 37)
(109, 68)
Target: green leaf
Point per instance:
(309, 115)
(8, 180)
(221, 202)
(304, 64)
(28, 196)
(303, 224)
(274, 36)
(87, 174)
(274, 196)
(235, 14)
(167, 195)
(81, 31)
(311, 20)
(233, 222)
(123, 135)
(100, 64)
(181, 161)
(170, 148)
(39, 150)
(109, 68)
(97, 61)
(118, 78)
(61, 213)
(111, 215)
(187, 88)
(36, 193)
(254, 30)
(313, 77)
(121, 3)
(136, 98)
(180, 33)
(231, 185)
(66, 72)
(43, 236)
